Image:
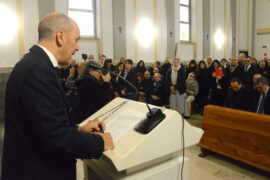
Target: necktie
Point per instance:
(261, 105)
(125, 74)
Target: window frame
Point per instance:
(183, 22)
(94, 11)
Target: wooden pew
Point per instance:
(240, 135)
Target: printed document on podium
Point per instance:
(122, 123)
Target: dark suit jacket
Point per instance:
(181, 80)
(40, 140)
(147, 85)
(164, 68)
(256, 97)
(238, 72)
(159, 90)
(117, 83)
(131, 77)
(238, 100)
(248, 77)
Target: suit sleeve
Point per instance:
(47, 116)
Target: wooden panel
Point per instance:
(239, 135)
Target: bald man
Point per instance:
(235, 70)
(41, 142)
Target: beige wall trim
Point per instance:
(89, 40)
(263, 31)
(135, 35)
(248, 23)
(225, 28)
(19, 12)
(238, 26)
(100, 40)
(155, 3)
(214, 27)
(187, 43)
(196, 33)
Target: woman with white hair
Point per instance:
(175, 81)
(191, 91)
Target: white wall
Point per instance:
(221, 19)
(130, 34)
(244, 13)
(31, 20)
(145, 9)
(228, 38)
(61, 6)
(219, 26)
(193, 50)
(261, 22)
(86, 46)
(199, 30)
(107, 28)
(9, 51)
(89, 46)
(186, 52)
(162, 30)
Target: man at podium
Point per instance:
(41, 142)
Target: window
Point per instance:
(185, 30)
(84, 13)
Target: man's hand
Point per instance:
(172, 89)
(107, 77)
(116, 94)
(92, 126)
(142, 93)
(155, 97)
(108, 142)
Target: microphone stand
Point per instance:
(153, 117)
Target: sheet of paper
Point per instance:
(122, 123)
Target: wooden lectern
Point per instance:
(154, 155)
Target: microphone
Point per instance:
(153, 117)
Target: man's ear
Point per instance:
(60, 37)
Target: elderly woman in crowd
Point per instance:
(158, 93)
(191, 91)
(175, 81)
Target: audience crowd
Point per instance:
(239, 82)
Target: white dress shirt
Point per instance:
(51, 56)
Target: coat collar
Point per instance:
(41, 53)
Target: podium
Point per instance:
(156, 155)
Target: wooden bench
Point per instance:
(240, 135)
(193, 108)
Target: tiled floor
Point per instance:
(212, 167)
